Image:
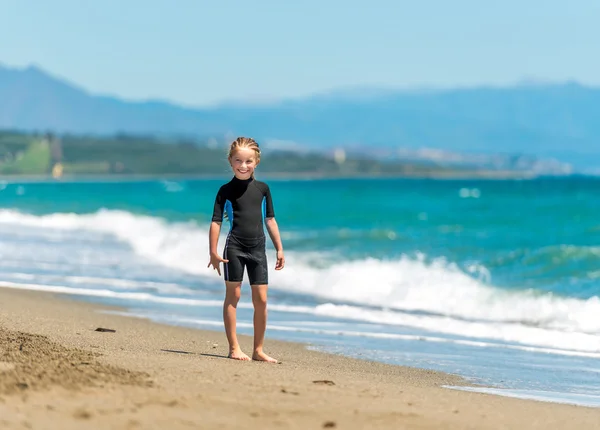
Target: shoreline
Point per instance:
(442, 176)
(150, 375)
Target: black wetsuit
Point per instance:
(247, 203)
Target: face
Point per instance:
(243, 162)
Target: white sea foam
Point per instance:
(354, 333)
(588, 400)
(435, 296)
(119, 284)
(442, 288)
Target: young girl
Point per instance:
(247, 203)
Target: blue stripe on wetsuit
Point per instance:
(229, 210)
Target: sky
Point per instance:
(201, 53)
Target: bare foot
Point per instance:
(237, 354)
(261, 356)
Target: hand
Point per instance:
(280, 261)
(215, 261)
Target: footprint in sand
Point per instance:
(324, 382)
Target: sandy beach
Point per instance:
(58, 372)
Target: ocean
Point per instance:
(497, 281)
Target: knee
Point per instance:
(233, 294)
(259, 300)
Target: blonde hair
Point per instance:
(244, 142)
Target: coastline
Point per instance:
(147, 375)
(450, 175)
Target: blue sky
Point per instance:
(205, 52)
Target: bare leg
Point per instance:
(232, 297)
(259, 300)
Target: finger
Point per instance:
(218, 270)
(224, 261)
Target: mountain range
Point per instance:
(560, 121)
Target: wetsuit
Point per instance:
(247, 203)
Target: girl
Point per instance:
(247, 203)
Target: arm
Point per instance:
(214, 231)
(273, 230)
(213, 239)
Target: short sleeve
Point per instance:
(269, 211)
(219, 206)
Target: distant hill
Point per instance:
(558, 120)
(36, 156)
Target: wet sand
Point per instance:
(58, 372)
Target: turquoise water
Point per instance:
(495, 280)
